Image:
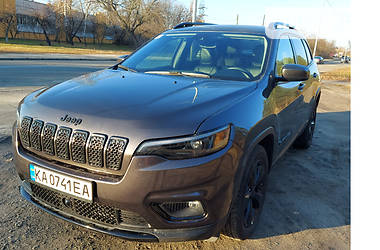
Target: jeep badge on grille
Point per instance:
(73, 120)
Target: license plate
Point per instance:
(60, 182)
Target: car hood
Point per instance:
(139, 105)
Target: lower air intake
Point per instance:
(93, 211)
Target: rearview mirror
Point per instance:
(295, 72)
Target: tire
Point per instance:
(248, 203)
(305, 139)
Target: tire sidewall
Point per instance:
(237, 211)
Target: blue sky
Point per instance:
(331, 17)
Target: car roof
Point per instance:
(251, 29)
(248, 29)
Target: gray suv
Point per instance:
(176, 141)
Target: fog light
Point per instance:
(186, 210)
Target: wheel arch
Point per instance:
(318, 95)
(265, 138)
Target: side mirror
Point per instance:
(122, 58)
(294, 72)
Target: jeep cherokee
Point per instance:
(175, 142)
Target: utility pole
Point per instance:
(264, 20)
(237, 19)
(195, 6)
(319, 29)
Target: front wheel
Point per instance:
(248, 203)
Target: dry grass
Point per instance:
(33, 46)
(343, 75)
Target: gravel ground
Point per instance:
(307, 205)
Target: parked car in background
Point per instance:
(176, 141)
(345, 59)
(319, 59)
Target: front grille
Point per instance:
(48, 138)
(35, 134)
(79, 146)
(62, 143)
(115, 151)
(93, 211)
(47, 196)
(95, 150)
(24, 131)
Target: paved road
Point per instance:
(38, 73)
(49, 72)
(330, 65)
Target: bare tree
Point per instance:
(46, 20)
(325, 48)
(86, 7)
(130, 14)
(69, 18)
(174, 13)
(99, 27)
(8, 20)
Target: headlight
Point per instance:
(187, 147)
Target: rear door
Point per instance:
(305, 88)
(311, 89)
(286, 96)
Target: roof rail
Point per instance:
(280, 25)
(190, 24)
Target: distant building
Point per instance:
(7, 6)
(27, 26)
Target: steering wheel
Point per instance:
(245, 72)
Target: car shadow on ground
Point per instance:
(310, 189)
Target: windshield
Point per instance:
(219, 55)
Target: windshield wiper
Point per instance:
(179, 73)
(119, 66)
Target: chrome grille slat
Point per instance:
(62, 143)
(95, 150)
(35, 134)
(24, 131)
(114, 152)
(78, 146)
(47, 137)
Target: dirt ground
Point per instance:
(307, 205)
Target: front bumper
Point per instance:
(132, 234)
(148, 180)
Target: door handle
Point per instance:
(315, 75)
(301, 86)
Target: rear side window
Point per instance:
(284, 55)
(299, 50)
(307, 49)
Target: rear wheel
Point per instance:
(305, 139)
(248, 204)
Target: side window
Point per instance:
(284, 55)
(307, 49)
(299, 50)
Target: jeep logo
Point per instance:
(73, 120)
